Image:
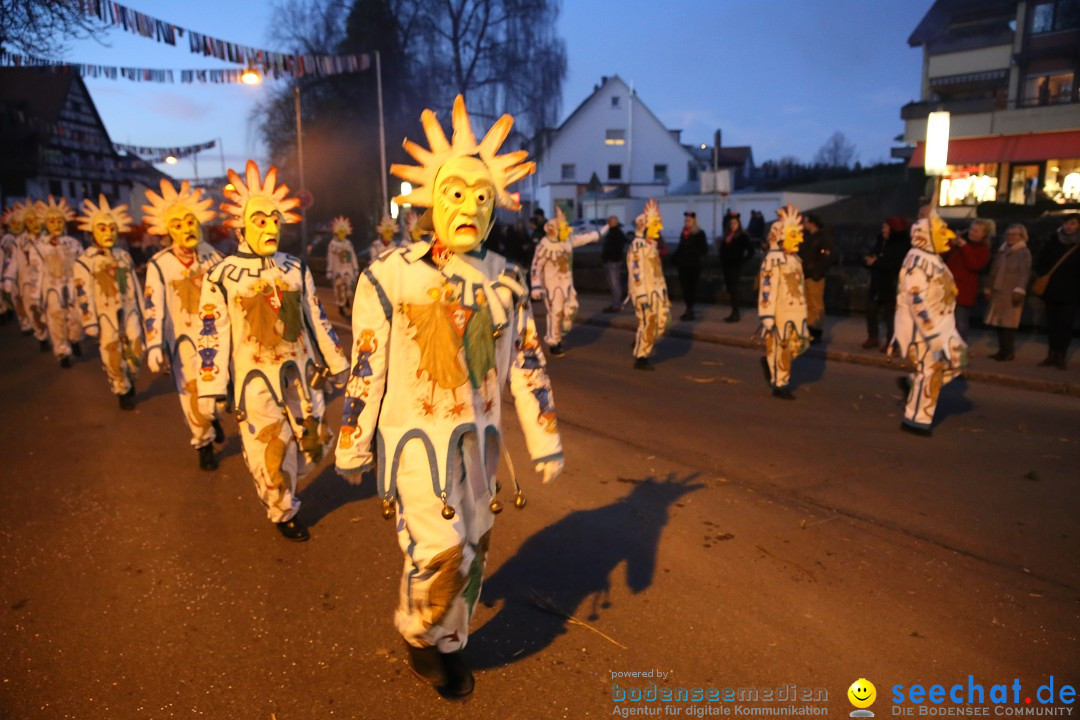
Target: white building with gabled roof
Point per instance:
(611, 136)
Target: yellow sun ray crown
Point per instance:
(412, 226)
(790, 227)
(251, 186)
(340, 223)
(651, 216)
(14, 213)
(160, 207)
(61, 208)
(505, 169)
(34, 208)
(387, 223)
(91, 213)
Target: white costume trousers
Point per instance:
(198, 412)
(121, 351)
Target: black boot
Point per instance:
(76, 350)
(127, 400)
(207, 460)
(459, 679)
(219, 432)
(765, 370)
(43, 345)
(294, 530)
(556, 350)
(643, 364)
(65, 361)
(784, 393)
(921, 432)
(427, 664)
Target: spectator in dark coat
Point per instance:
(735, 249)
(968, 255)
(884, 262)
(613, 255)
(816, 255)
(756, 227)
(1062, 295)
(688, 258)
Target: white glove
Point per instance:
(91, 331)
(550, 469)
(155, 360)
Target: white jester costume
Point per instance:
(385, 241)
(23, 272)
(9, 289)
(552, 275)
(108, 297)
(782, 298)
(645, 283)
(53, 270)
(264, 329)
(172, 316)
(342, 268)
(925, 333)
(439, 330)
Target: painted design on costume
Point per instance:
(274, 457)
(191, 388)
(209, 367)
(273, 316)
(439, 331)
(476, 571)
(445, 585)
(209, 318)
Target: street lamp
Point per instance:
(937, 149)
(250, 76)
(171, 160)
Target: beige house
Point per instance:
(1006, 70)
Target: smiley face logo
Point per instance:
(862, 693)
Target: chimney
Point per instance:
(716, 139)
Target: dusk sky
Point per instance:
(780, 76)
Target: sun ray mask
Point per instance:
(103, 222)
(57, 215)
(412, 226)
(340, 227)
(259, 208)
(460, 180)
(33, 216)
(791, 231)
(650, 222)
(15, 218)
(179, 215)
(387, 228)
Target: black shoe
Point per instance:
(732, 318)
(65, 362)
(459, 679)
(76, 350)
(904, 384)
(556, 350)
(127, 400)
(643, 364)
(1049, 361)
(219, 432)
(43, 345)
(610, 309)
(783, 393)
(921, 432)
(427, 664)
(294, 530)
(207, 461)
(27, 332)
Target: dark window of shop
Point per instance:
(56, 188)
(614, 172)
(1050, 88)
(1055, 15)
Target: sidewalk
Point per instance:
(843, 343)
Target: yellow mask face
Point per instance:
(652, 231)
(105, 231)
(262, 226)
(564, 232)
(464, 201)
(387, 234)
(342, 233)
(55, 225)
(184, 228)
(16, 226)
(791, 240)
(941, 234)
(33, 224)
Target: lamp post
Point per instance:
(300, 166)
(937, 150)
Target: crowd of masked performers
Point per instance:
(442, 327)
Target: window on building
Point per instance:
(1049, 88)
(969, 185)
(56, 188)
(1024, 184)
(615, 137)
(569, 170)
(659, 173)
(1053, 15)
(692, 172)
(614, 172)
(1062, 182)
(614, 101)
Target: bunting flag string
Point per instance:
(158, 154)
(275, 64)
(108, 72)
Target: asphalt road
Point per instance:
(702, 528)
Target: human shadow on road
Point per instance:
(953, 400)
(566, 569)
(329, 491)
(808, 369)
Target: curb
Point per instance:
(1047, 386)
